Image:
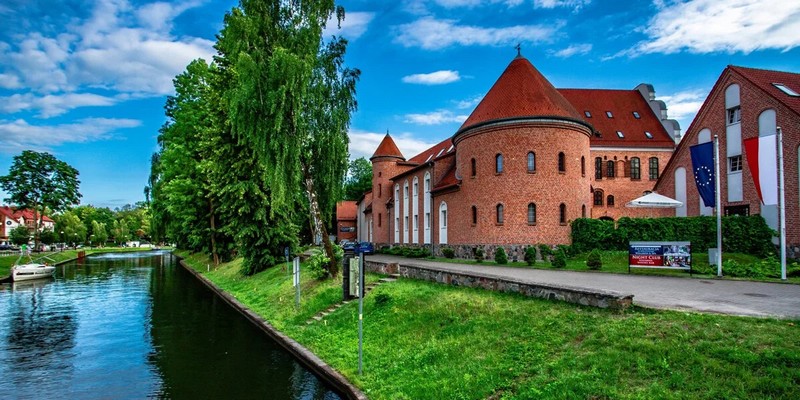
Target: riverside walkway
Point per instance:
(761, 299)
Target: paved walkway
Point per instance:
(707, 295)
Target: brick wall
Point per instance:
(383, 169)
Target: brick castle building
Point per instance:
(528, 160)
(744, 103)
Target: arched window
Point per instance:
(415, 211)
(653, 168)
(473, 168)
(426, 208)
(396, 213)
(531, 214)
(583, 166)
(499, 163)
(443, 223)
(598, 168)
(562, 163)
(610, 170)
(583, 211)
(531, 162)
(636, 168)
(610, 200)
(474, 215)
(562, 213)
(380, 191)
(598, 197)
(499, 213)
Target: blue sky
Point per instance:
(87, 80)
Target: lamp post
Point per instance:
(63, 241)
(91, 241)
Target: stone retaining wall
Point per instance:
(587, 297)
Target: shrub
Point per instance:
(418, 252)
(546, 251)
(594, 261)
(382, 299)
(530, 255)
(478, 254)
(317, 266)
(567, 249)
(448, 252)
(500, 256)
(560, 259)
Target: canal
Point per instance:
(133, 326)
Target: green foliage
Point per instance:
(560, 259)
(47, 236)
(530, 255)
(545, 250)
(317, 266)
(479, 254)
(500, 256)
(448, 252)
(566, 249)
(594, 261)
(359, 179)
(749, 235)
(74, 230)
(382, 299)
(19, 235)
(99, 234)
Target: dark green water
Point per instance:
(133, 326)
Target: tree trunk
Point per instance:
(214, 253)
(38, 219)
(333, 268)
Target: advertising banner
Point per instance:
(670, 255)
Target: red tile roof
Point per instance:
(346, 210)
(388, 148)
(449, 180)
(16, 213)
(438, 150)
(764, 79)
(521, 91)
(622, 104)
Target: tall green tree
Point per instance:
(359, 179)
(99, 233)
(74, 230)
(39, 181)
(19, 235)
(290, 100)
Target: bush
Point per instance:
(530, 255)
(594, 261)
(500, 256)
(546, 251)
(382, 299)
(567, 249)
(560, 259)
(448, 252)
(478, 254)
(318, 266)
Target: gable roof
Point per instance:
(621, 104)
(764, 79)
(440, 149)
(388, 148)
(521, 91)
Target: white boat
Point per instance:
(33, 270)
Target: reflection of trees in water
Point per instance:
(40, 336)
(205, 349)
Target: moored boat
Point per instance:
(33, 270)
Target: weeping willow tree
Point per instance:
(290, 101)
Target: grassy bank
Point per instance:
(6, 262)
(429, 341)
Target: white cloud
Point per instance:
(52, 105)
(353, 26)
(476, 3)
(575, 49)
(8, 81)
(549, 4)
(706, 26)
(433, 78)
(364, 144)
(433, 34)
(435, 118)
(19, 135)
(469, 103)
(683, 106)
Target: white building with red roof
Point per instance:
(11, 217)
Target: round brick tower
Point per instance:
(384, 167)
(523, 160)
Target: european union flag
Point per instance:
(703, 167)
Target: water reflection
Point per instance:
(136, 326)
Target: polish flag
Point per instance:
(762, 159)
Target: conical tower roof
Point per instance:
(388, 148)
(521, 92)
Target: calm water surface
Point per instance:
(133, 326)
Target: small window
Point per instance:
(610, 169)
(648, 134)
(562, 214)
(610, 200)
(620, 135)
(532, 214)
(735, 163)
(380, 219)
(429, 157)
(380, 190)
(474, 169)
(598, 197)
(734, 115)
(583, 166)
(598, 168)
(609, 115)
(653, 168)
(451, 148)
(587, 114)
(562, 164)
(636, 115)
(531, 162)
(499, 163)
(474, 215)
(440, 152)
(499, 213)
(583, 211)
(646, 192)
(783, 88)
(636, 168)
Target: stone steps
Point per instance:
(368, 288)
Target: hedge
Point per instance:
(740, 234)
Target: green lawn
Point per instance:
(429, 341)
(6, 262)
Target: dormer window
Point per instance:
(440, 152)
(587, 114)
(648, 134)
(785, 89)
(609, 115)
(636, 115)
(620, 135)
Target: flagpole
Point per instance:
(718, 204)
(782, 199)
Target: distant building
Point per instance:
(11, 217)
(744, 103)
(527, 161)
(346, 221)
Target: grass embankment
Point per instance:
(429, 341)
(6, 262)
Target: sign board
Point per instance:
(669, 255)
